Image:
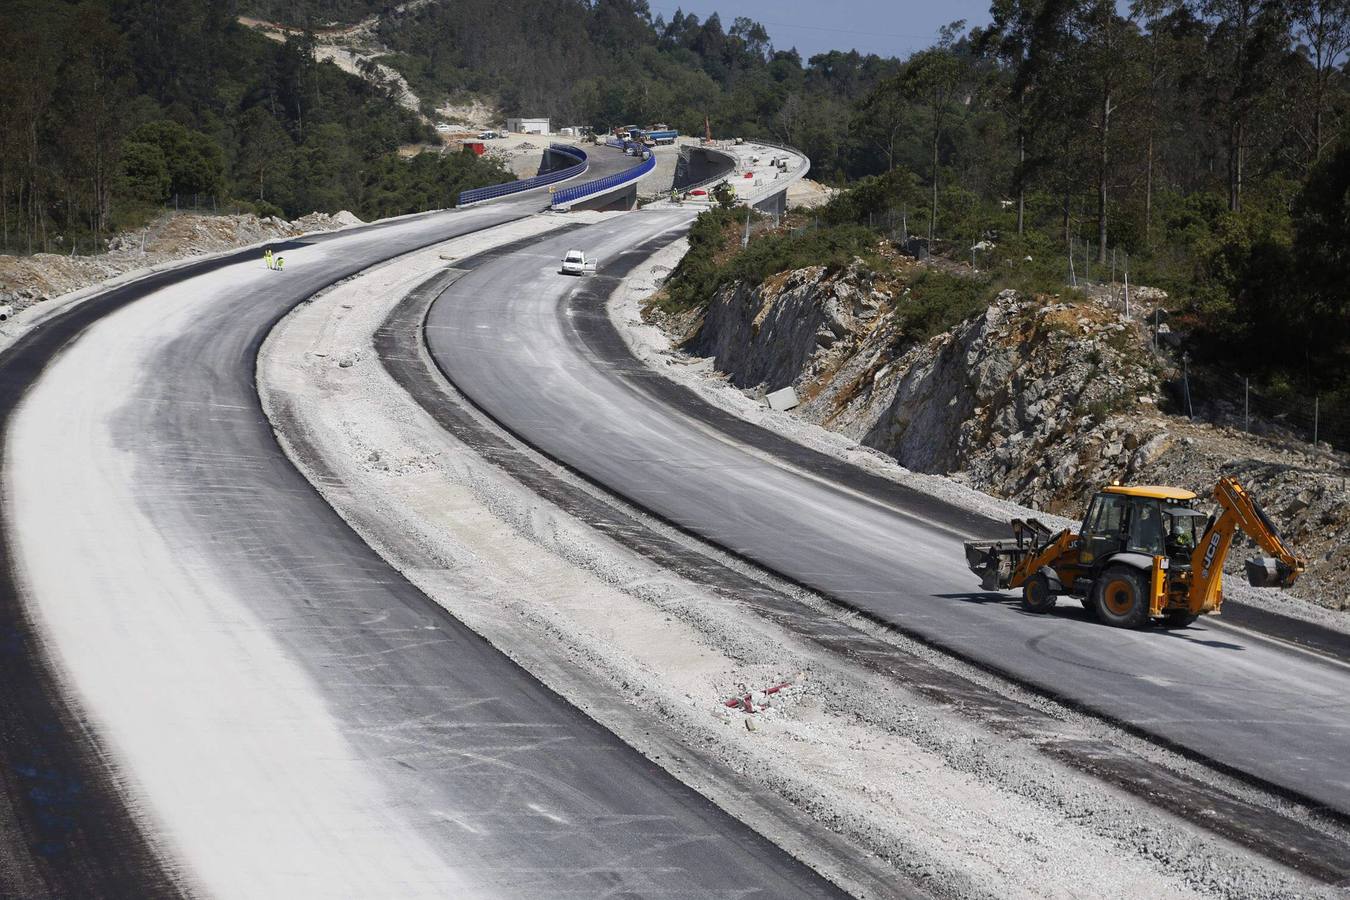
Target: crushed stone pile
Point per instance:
(1038, 399)
(27, 280)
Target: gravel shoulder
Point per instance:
(866, 779)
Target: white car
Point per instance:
(574, 262)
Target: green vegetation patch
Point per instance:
(715, 257)
(937, 301)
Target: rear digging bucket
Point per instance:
(1267, 572)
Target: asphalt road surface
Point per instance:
(289, 715)
(524, 343)
(604, 161)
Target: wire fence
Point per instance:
(64, 244)
(1205, 394)
(1306, 421)
(1232, 401)
(85, 245)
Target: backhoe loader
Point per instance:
(1144, 554)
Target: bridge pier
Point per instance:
(622, 198)
(774, 204)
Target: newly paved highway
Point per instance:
(532, 348)
(288, 715)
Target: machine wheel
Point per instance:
(1036, 596)
(1175, 619)
(1121, 599)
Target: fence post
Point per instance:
(1317, 409)
(1127, 290)
(1186, 382)
(1155, 328)
(1246, 405)
(1073, 277)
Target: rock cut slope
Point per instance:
(1037, 399)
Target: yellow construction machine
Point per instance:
(1143, 554)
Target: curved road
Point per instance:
(534, 350)
(604, 161)
(289, 715)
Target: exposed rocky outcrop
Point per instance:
(1036, 399)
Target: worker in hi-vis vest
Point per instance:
(267, 257)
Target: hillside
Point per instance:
(615, 62)
(112, 111)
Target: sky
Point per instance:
(884, 27)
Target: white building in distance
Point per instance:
(527, 126)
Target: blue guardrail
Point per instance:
(569, 195)
(528, 184)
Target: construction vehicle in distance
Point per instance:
(1143, 554)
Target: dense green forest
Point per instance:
(112, 109)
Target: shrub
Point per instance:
(715, 259)
(937, 301)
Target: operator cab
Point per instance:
(1146, 519)
(1183, 527)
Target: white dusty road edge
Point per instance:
(910, 787)
(235, 769)
(654, 348)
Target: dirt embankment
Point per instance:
(1039, 400)
(26, 280)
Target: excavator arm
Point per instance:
(1237, 510)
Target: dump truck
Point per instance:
(1144, 554)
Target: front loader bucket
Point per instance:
(1268, 572)
(990, 561)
